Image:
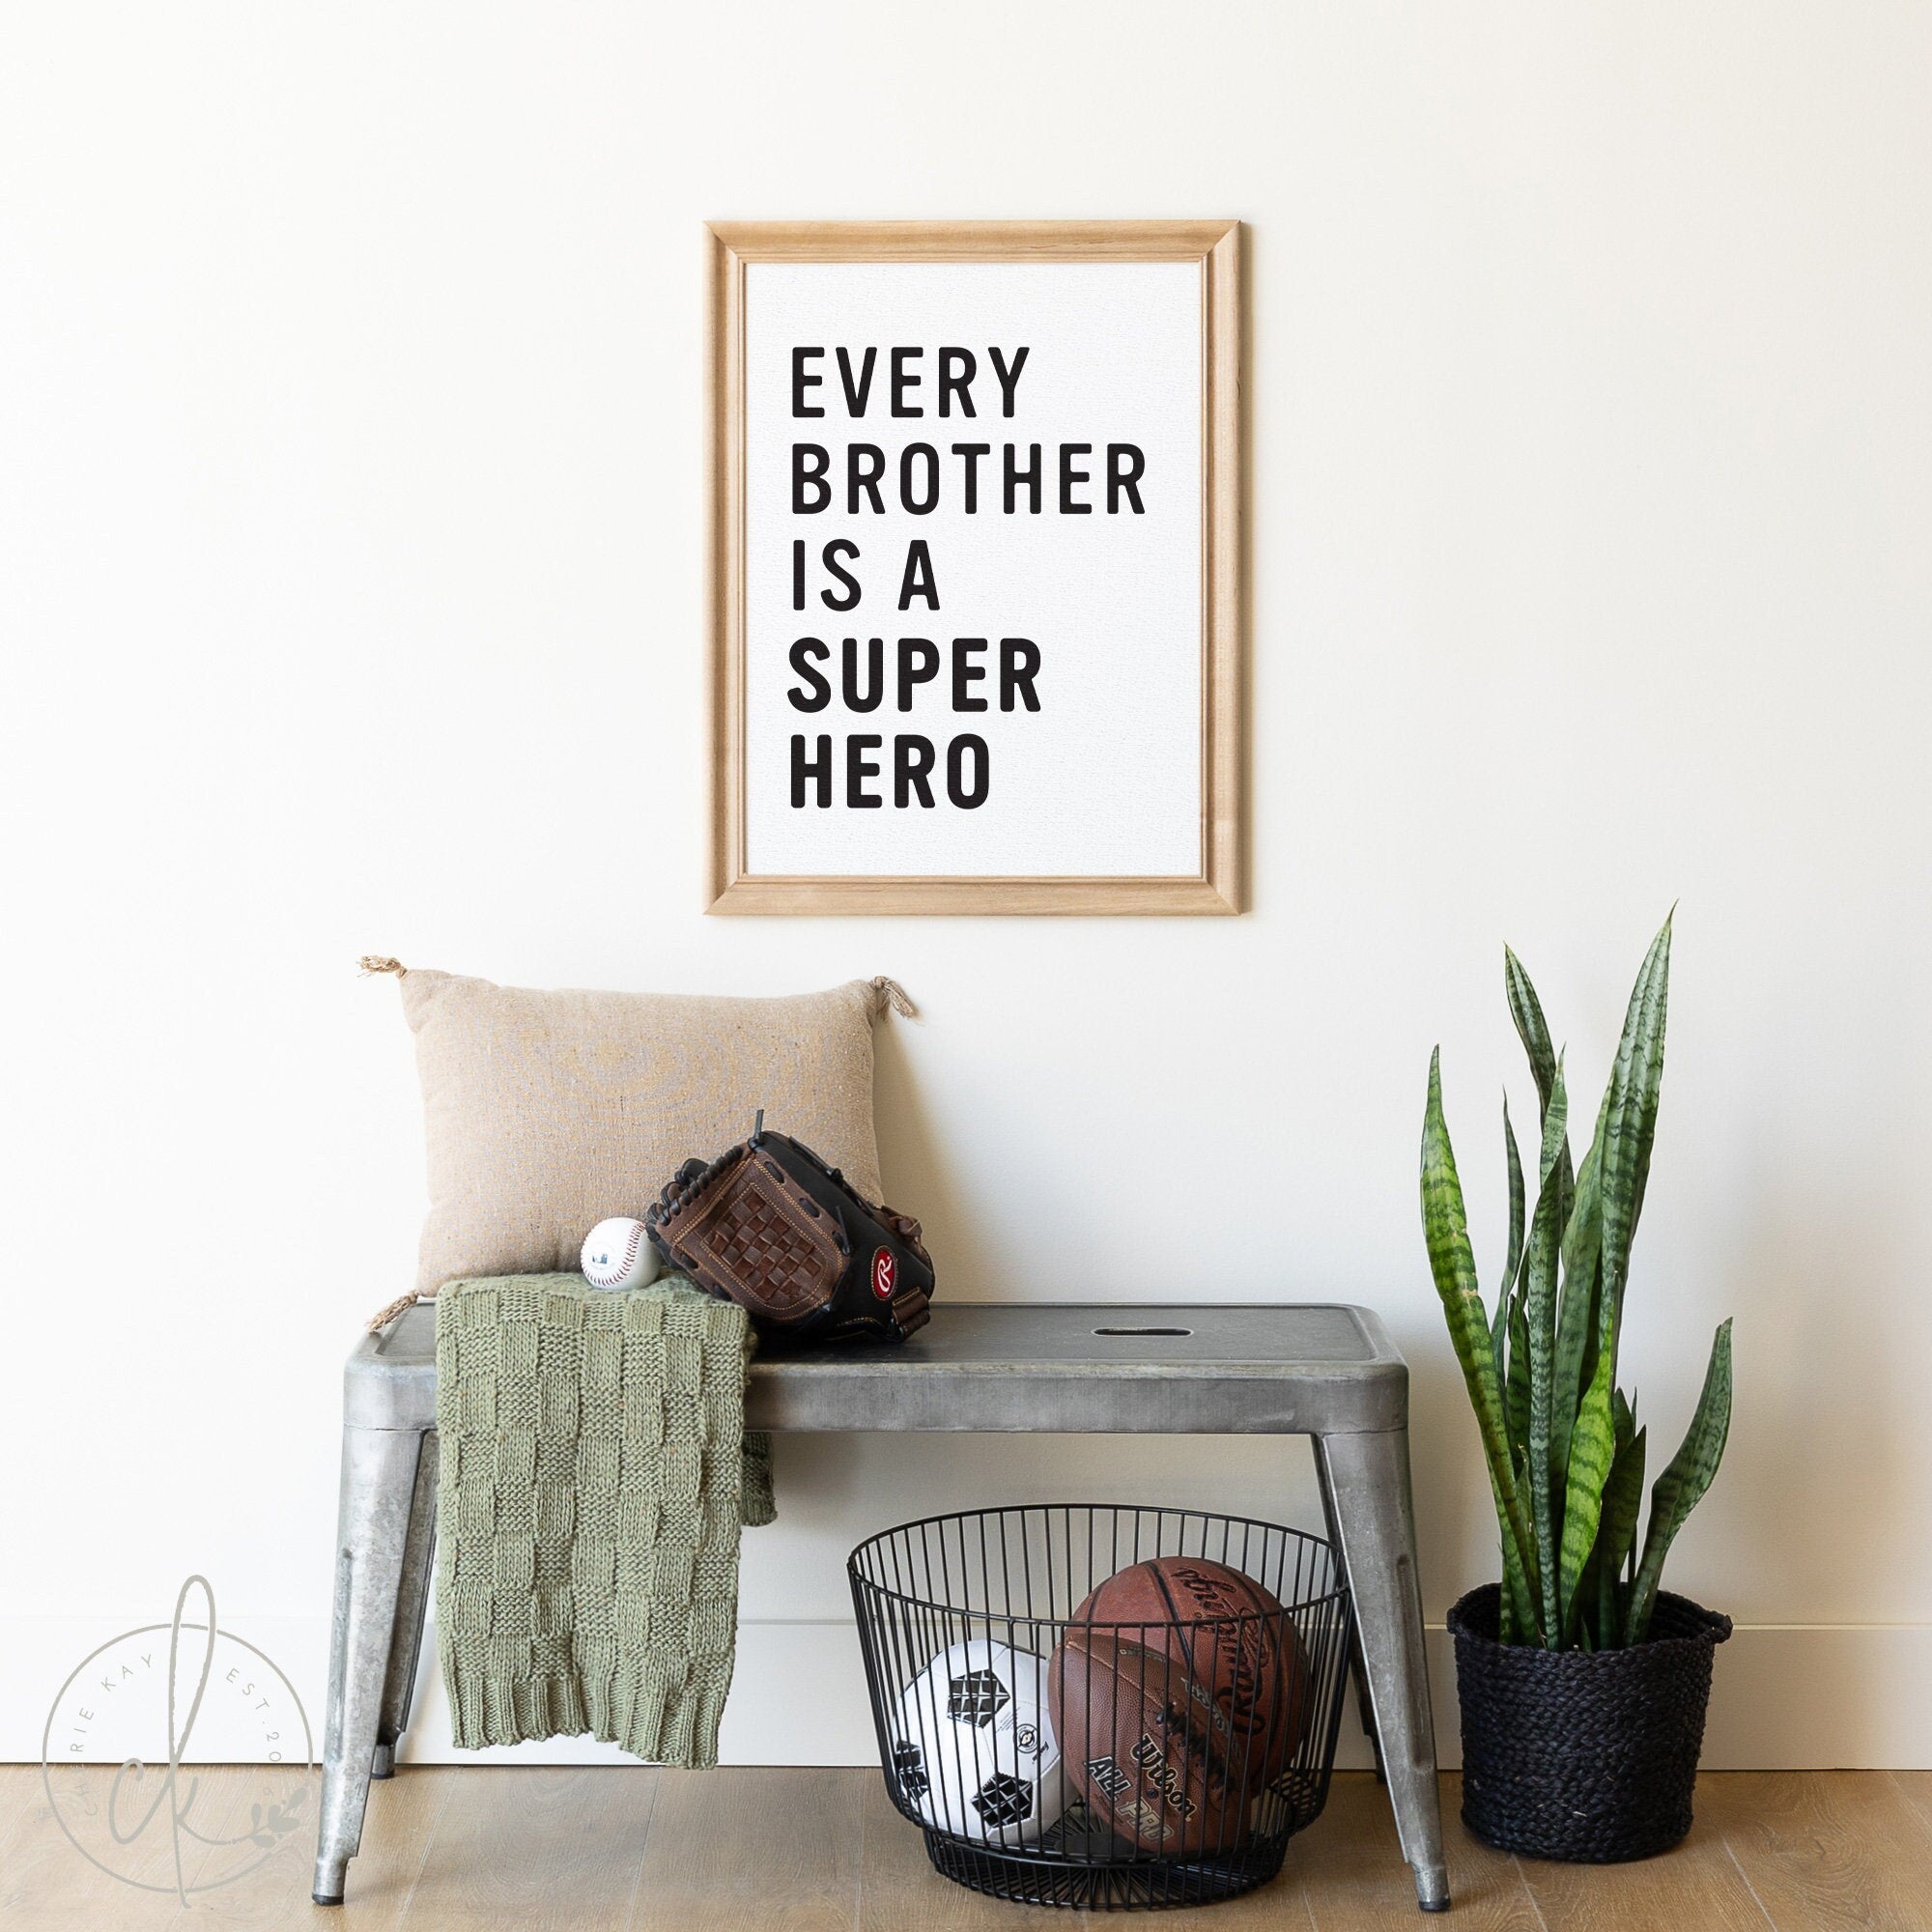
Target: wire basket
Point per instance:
(1059, 1753)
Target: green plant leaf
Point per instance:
(1616, 1532)
(1499, 1323)
(1629, 1125)
(1623, 1419)
(1528, 1628)
(1526, 1010)
(1630, 1564)
(1682, 1486)
(1577, 1315)
(1587, 1591)
(1516, 1202)
(1593, 1451)
(1453, 1265)
(1515, 1390)
(1546, 1234)
(1515, 1590)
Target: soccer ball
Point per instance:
(973, 1749)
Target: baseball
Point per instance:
(619, 1253)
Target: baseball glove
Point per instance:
(769, 1226)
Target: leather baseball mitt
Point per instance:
(769, 1226)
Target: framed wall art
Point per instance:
(976, 531)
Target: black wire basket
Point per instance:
(1158, 1744)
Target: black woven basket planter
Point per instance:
(1589, 1758)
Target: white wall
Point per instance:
(351, 373)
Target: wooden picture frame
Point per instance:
(1213, 881)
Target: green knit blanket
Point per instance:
(595, 1473)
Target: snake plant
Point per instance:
(1565, 1455)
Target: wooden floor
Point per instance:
(448, 1849)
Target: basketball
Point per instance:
(1233, 1638)
(1144, 1744)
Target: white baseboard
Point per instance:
(1787, 1696)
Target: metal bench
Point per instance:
(1323, 1371)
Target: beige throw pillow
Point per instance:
(547, 1112)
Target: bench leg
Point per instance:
(412, 1607)
(379, 1485)
(1367, 1479)
(1358, 1672)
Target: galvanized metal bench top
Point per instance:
(1129, 1368)
(1322, 1370)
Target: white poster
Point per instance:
(973, 570)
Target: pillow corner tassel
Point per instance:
(886, 992)
(383, 1317)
